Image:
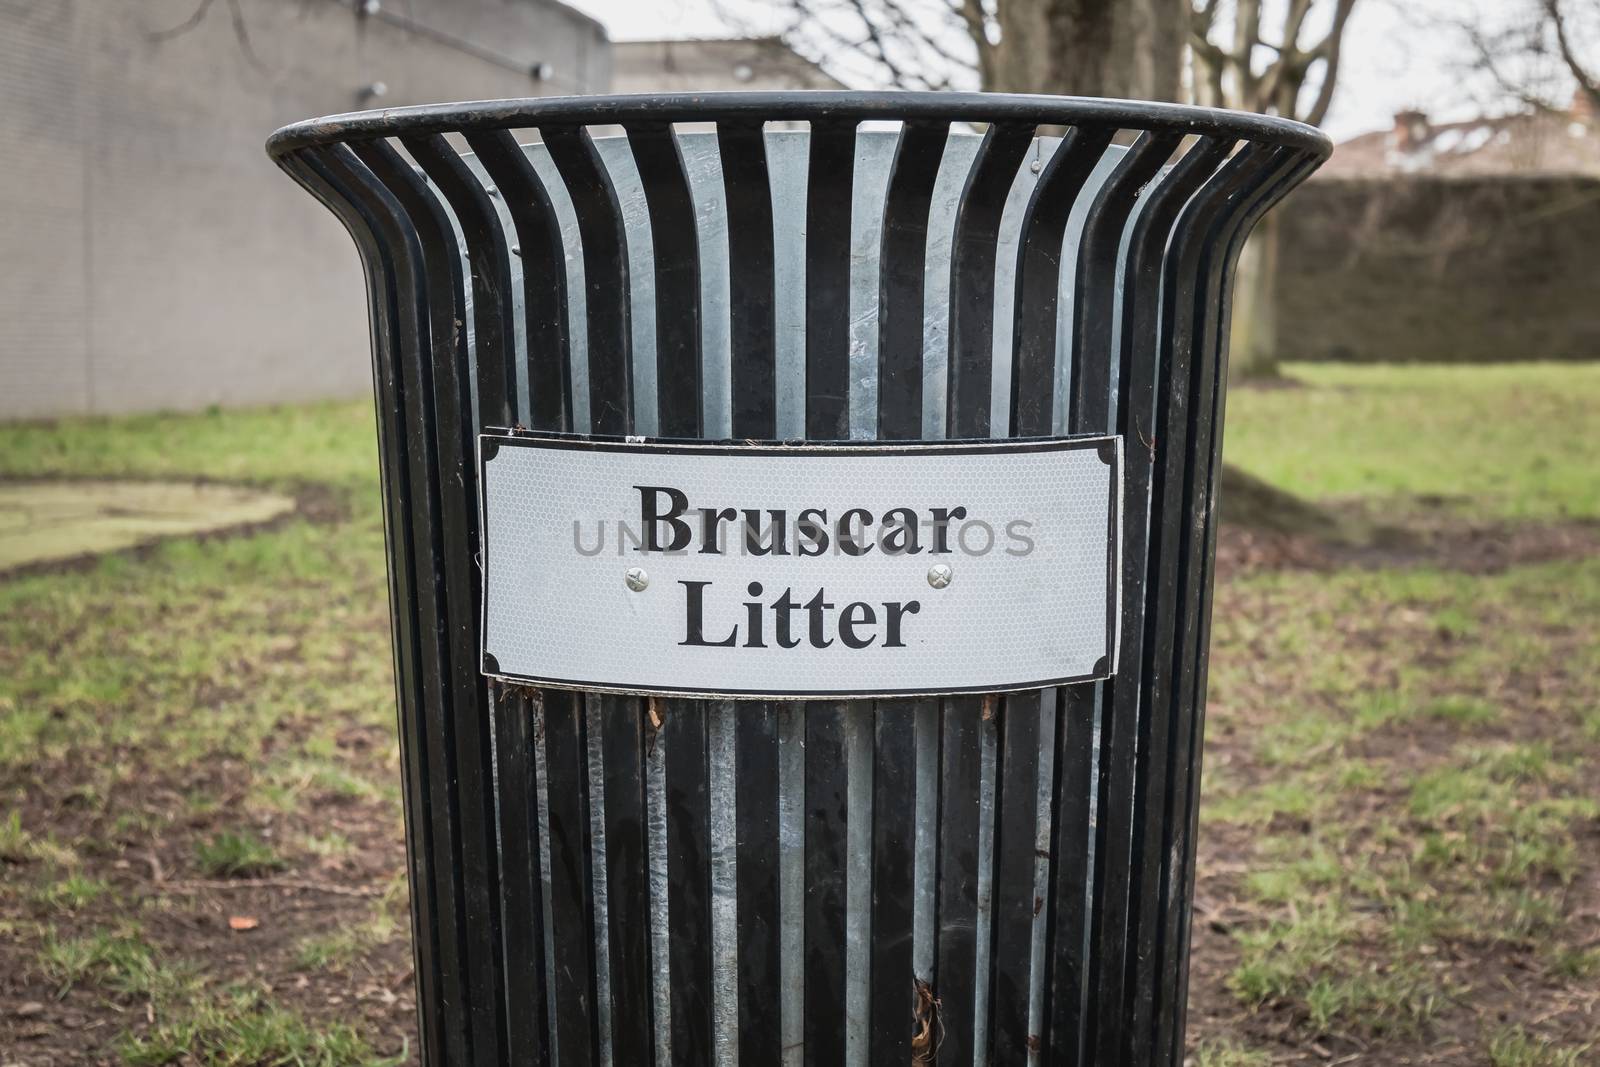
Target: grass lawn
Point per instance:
(200, 843)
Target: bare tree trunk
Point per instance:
(1254, 352)
(1122, 48)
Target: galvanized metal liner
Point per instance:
(608, 879)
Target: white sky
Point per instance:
(1395, 56)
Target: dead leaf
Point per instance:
(243, 922)
(929, 1032)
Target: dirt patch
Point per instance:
(1481, 973)
(245, 934)
(1439, 542)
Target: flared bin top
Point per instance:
(824, 265)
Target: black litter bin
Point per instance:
(966, 877)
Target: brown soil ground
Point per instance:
(1494, 983)
(187, 916)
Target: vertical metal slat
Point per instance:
(516, 817)
(756, 830)
(686, 735)
(677, 277)
(1178, 882)
(956, 920)
(1094, 311)
(685, 727)
(544, 276)
(900, 278)
(1033, 373)
(572, 922)
(627, 881)
(372, 217)
(489, 258)
(464, 747)
(830, 177)
(753, 320)
(827, 807)
(1016, 814)
(605, 276)
(754, 398)
(1043, 230)
(892, 989)
(1149, 387)
(972, 258)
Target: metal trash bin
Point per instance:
(968, 878)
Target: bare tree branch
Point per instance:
(1488, 52)
(1289, 66)
(1588, 83)
(241, 31)
(1516, 54)
(1328, 50)
(195, 18)
(904, 43)
(1226, 74)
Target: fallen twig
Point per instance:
(200, 885)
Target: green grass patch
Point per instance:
(16, 844)
(1480, 437)
(118, 960)
(190, 1023)
(1309, 959)
(339, 949)
(1226, 1053)
(282, 446)
(241, 1028)
(1289, 799)
(1294, 870)
(72, 893)
(1575, 964)
(19, 845)
(1468, 711)
(1515, 1046)
(1404, 814)
(232, 854)
(332, 843)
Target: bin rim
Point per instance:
(796, 105)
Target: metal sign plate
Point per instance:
(799, 571)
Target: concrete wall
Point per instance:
(154, 257)
(1441, 269)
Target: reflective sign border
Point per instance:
(1109, 448)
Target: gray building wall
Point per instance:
(154, 258)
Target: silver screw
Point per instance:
(637, 579)
(939, 575)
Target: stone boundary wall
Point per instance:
(1428, 269)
